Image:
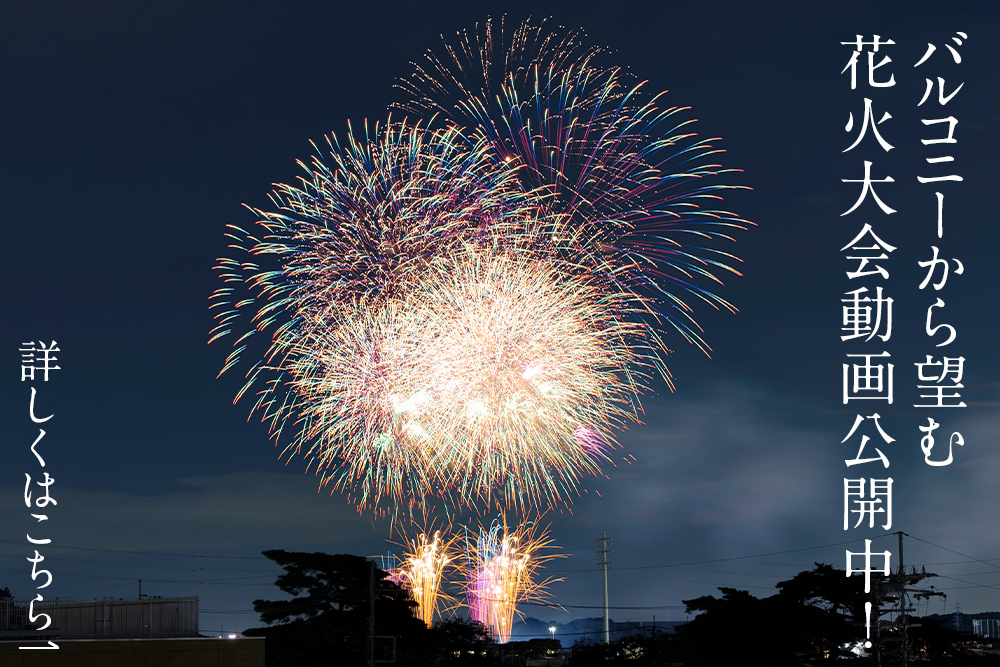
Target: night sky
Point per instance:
(132, 133)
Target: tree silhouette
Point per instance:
(327, 618)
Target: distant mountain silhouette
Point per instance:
(582, 628)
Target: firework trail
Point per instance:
(628, 178)
(502, 568)
(421, 572)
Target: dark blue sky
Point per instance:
(133, 132)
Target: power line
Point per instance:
(957, 553)
(190, 568)
(210, 582)
(972, 584)
(724, 560)
(137, 553)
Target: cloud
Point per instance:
(727, 463)
(739, 470)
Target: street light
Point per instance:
(552, 629)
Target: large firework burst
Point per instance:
(628, 179)
(518, 362)
(471, 312)
(479, 385)
(419, 345)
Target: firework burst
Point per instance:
(477, 386)
(628, 179)
(502, 569)
(363, 217)
(424, 561)
(471, 313)
(391, 565)
(419, 344)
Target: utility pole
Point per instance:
(899, 534)
(656, 647)
(903, 617)
(604, 564)
(891, 597)
(142, 612)
(370, 661)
